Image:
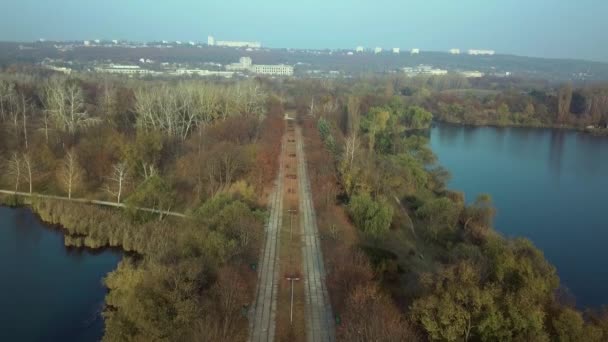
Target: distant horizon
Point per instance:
(543, 28)
(404, 50)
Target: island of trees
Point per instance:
(407, 259)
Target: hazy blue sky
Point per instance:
(548, 28)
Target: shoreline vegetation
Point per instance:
(406, 258)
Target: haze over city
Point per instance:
(544, 28)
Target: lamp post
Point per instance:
(291, 280)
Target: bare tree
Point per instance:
(25, 105)
(15, 169)
(28, 166)
(70, 173)
(65, 103)
(119, 178)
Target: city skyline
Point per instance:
(540, 29)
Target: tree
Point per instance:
(370, 316)
(372, 217)
(564, 100)
(70, 173)
(29, 169)
(375, 123)
(441, 215)
(65, 103)
(478, 217)
(570, 326)
(119, 178)
(15, 170)
(458, 307)
(153, 193)
(418, 118)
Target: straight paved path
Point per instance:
(263, 312)
(319, 317)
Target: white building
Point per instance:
(124, 69)
(415, 51)
(203, 72)
(472, 74)
(377, 50)
(229, 43)
(275, 69)
(87, 43)
(115, 42)
(424, 70)
(210, 41)
(455, 51)
(396, 50)
(97, 41)
(244, 63)
(481, 52)
(359, 49)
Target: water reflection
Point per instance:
(556, 151)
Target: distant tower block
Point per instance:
(210, 40)
(359, 49)
(455, 51)
(377, 50)
(396, 50)
(415, 51)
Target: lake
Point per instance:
(548, 185)
(48, 292)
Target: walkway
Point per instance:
(262, 326)
(319, 317)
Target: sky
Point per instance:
(540, 28)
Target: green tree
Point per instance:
(153, 193)
(441, 215)
(372, 216)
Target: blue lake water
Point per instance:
(48, 292)
(550, 186)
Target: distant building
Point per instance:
(359, 49)
(87, 43)
(243, 64)
(424, 70)
(97, 41)
(123, 69)
(246, 64)
(415, 51)
(396, 50)
(275, 69)
(377, 50)
(229, 43)
(63, 70)
(472, 74)
(350, 53)
(455, 51)
(115, 42)
(203, 72)
(210, 41)
(481, 52)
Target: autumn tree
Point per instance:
(70, 173)
(118, 180)
(15, 170)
